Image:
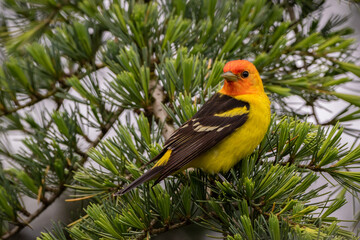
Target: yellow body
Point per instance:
(242, 141)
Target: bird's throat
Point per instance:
(238, 88)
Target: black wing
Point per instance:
(202, 132)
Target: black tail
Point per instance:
(150, 174)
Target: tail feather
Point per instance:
(150, 174)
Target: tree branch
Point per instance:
(62, 187)
(172, 227)
(33, 101)
(39, 97)
(159, 112)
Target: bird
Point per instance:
(227, 128)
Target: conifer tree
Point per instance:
(75, 70)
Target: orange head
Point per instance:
(241, 77)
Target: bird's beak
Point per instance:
(230, 76)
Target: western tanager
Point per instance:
(227, 128)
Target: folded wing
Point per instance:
(217, 119)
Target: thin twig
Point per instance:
(314, 114)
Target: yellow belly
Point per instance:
(241, 142)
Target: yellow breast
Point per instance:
(242, 141)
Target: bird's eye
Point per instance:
(245, 74)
